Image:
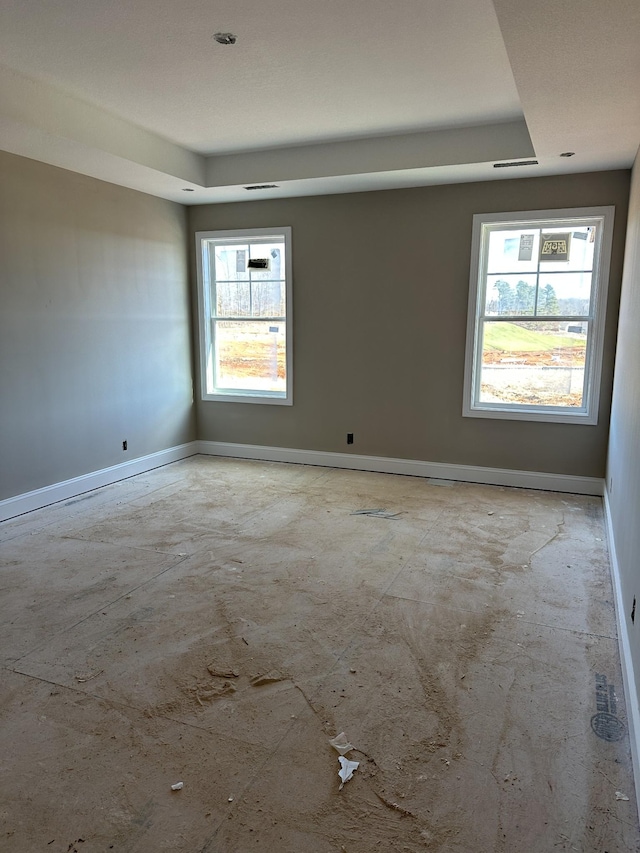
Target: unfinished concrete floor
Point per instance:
(467, 648)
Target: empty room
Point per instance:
(319, 426)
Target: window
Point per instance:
(536, 315)
(244, 300)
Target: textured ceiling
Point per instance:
(399, 94)
(300, 71)
(577, 67)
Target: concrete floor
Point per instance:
(467, 648)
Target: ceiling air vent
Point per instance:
(225, 38)
(515, 163)
(262, 187)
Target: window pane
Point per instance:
(233, 299)
(273, 253)
(565, 294)
(255, 299)
(533, 363)
(513, 250)
(230, 263)
(581, 245)
(250, 355)
(268, 299)
(510, 294)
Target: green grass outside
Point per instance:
(512, 338)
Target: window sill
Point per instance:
(245, 397)
(551, 416)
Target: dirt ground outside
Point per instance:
(561, 357)
(542, 385)
(253, 357)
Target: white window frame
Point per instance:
(483, 224)
(205, 314)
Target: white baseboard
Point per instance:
(438, 470)
(94, 480)
(412, 467)
(632, 699)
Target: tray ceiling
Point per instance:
(318, 97)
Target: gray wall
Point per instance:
(94, 325)
(380, 305)
(623, 474)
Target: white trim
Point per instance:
(631, 696)
(482, 224)
(66, 489)
(39, 498)
(206, 343)
(412, 467)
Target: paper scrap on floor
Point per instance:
(341, 744)
(346, 770)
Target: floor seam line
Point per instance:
(102, 608)
(115, 703)
(520, 621)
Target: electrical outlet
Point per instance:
(349, 438)
(124, 445)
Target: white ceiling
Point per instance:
(318, 97)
